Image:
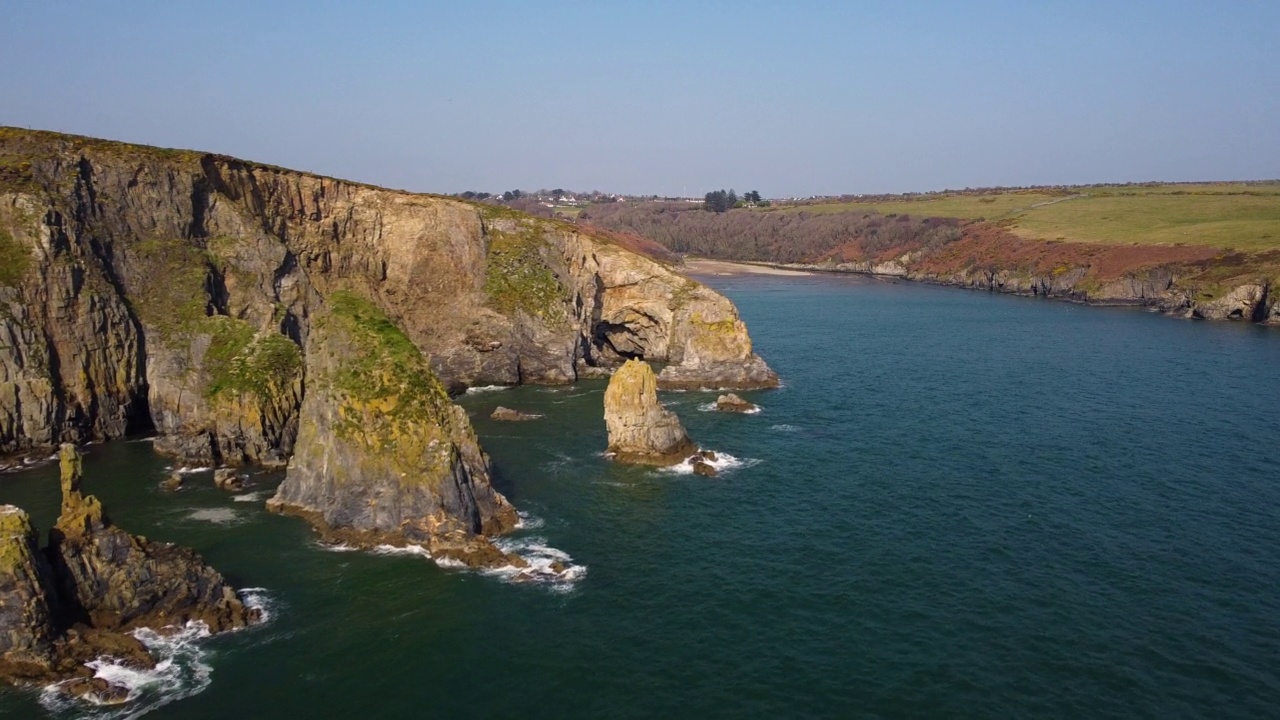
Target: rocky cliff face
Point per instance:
(26, 617)
(252, 314)
(383, 455)
(641, 431)
(74, 601)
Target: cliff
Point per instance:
(222, 304)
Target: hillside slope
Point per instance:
(1210, 250)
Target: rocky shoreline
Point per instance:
(1252, 302)
(250, 315)
(79, 598)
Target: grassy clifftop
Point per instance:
(1230, 216)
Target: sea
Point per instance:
(958, 505)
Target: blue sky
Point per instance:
(790, 98)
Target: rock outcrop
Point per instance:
(228, 479)
(731, 402)
(75, 601)
(383, 456)
(26, 614)
(109, 579)
(641, 431)
(507, 414)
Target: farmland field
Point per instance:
(1235, 216)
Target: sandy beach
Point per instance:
(699, 266)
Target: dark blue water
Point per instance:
(959, 505)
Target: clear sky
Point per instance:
(787, 97)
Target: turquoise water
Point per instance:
(959, 505)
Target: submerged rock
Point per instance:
(173, 482)
(228, 479)
(641, 431)
(507, 414)
(732, 403)
(704, 469)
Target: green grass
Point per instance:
(1233, 216)
(387, 368)
(989, 207)
(241, 361)
(169, 293)
(15, 259)
(517, 277)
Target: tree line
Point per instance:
(724, 200)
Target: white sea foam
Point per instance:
(249, 497)
(217, 516)
(723, 463)
(547, 565)
(486, 389)
(401, 550)
(184, 470)
(784, 428)
(528, 521)
(256, 598)
(336, 547)
(181, 671)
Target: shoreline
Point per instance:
(724, 268)
(706, 266)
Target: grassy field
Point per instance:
(1234, 216)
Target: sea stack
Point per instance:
(641, 431)
(117, 581)
(77, 600)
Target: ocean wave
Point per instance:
(249, 497)
(546, 565)
(723, 463)
(335, 547)
(487, 388)
(184, 470)
(528, 521)
(181, 670)
(257, 598)
(401, 550)
(784, 428)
